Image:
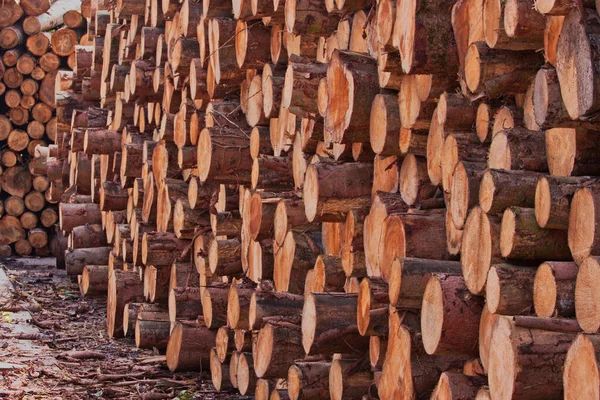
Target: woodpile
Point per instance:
(356, 199)
(38, 41)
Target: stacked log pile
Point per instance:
(343, 198)
(37, 52)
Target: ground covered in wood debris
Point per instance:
(53, 345)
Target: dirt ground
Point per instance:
(53, 345)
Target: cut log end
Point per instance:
(507, 233)
(543, 202)
(582, 227)
(544, 291)
(580, 374)
(264, 350)
(473, 67)
(476, 251)
(502, 361)
(432, 315)
(311, 192)
(309, 317)
(587, 295)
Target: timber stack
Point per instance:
(37, 52)
(344, 198)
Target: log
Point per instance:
(329, 192)
(456, 385)
(266, 303)
(409, 276)
(501, 189)
(329, 324)
(581, 363)
(309, 17)
(518, 148)
(38, 238)
(278, 345)
(418, 235)
(163, 248)
(480, 248)
(372, 311)
(86, 236)
(308, 380)
(348, 111)
(348, 379)
(224, 257)
(586, 293)
(72, 215)
(577, 90)
(184, 304)
(522, 238)
(570, 151)
(293, 259)
(408, 371)
(450, 316)
(222, 151)
(495, 72)
(583, 238)
(238, 305)
(464, 191)
(94, 280)
(301, 86)
(554, 289)
(552, 199)
(214, 305)
(415, 187)
(76, 259)
(189, 347)
(123, 287)
(509, 289)
(512, 368)
(152, 330)
(219, 372)
(11, 13)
